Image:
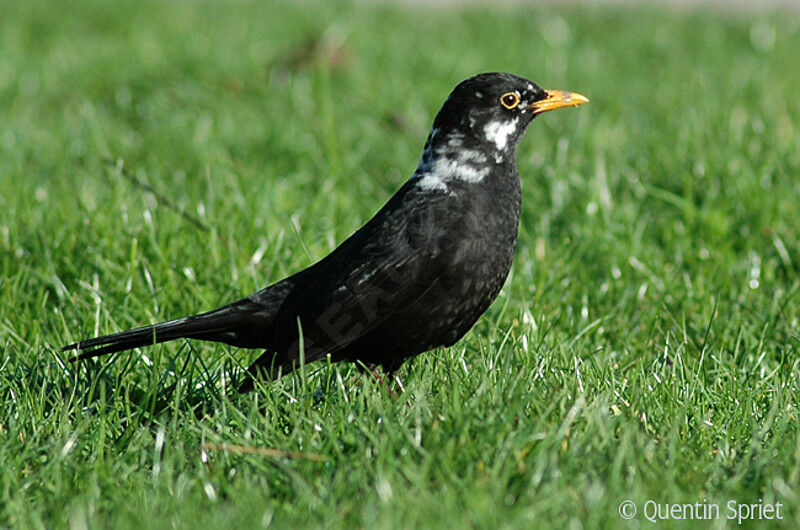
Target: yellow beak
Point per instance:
(557, 99)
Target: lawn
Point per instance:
(163, 158)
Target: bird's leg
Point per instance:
(377, 374)
(390, 369)
(388, 376)
(384, 375)
(382, 379)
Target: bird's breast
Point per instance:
(485, 236)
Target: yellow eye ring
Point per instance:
(509, 100)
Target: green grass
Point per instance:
(644, 347)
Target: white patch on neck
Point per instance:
(466, 156)
(446, 168)
(429, 182)
(499, 131)
(435, 172)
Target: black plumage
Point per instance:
(418, 275)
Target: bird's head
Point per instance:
(494, 109)
(480, 125)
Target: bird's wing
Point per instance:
(384, 267)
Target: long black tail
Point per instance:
(237, 324)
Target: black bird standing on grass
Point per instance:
(417, 275)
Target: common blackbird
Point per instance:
(416, 276)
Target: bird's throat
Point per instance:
(451, 157)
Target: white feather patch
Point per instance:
(435, 174)
(430, 181)
(498, 132)
(446, 169)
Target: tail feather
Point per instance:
(231, 324)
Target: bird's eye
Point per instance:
(509, 100)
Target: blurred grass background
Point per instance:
(644, 347)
